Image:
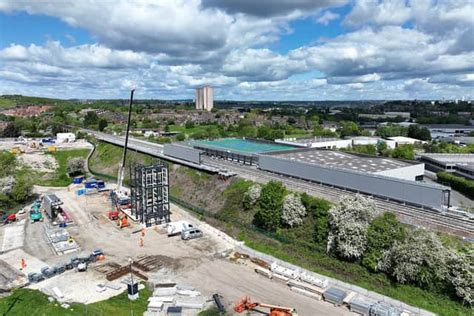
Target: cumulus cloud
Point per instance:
(166, 48)
(327, 17)
(54, 54)
(266, 8)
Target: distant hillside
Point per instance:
(9, 101)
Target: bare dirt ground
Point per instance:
(39, 161)
(198, 262)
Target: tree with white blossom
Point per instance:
(348, 223)
(293, 210)
(423, 260)
(251, 196)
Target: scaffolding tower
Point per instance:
(150, 194)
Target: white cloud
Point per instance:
(267, 8)
(327, 17)
(166, 48)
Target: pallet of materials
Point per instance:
(265, 272)
(306, 293)
(306, 286)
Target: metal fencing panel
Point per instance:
(182, 152)
(420, 194)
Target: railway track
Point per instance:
(408, 214)
(412, 215)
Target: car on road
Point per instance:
(191, 233)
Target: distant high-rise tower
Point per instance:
(204, 98)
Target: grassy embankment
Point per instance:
(292, 245)
(32, 302)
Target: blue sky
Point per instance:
(247, 50)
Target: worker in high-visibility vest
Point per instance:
(143, 232)
(141, 242)
(23, 263)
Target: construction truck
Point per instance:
(35, 213)
(246, 304)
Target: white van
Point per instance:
(191, 233)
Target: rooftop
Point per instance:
(451, 158)
(343, 160)
(310, 140)
(238, 145)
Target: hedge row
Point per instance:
(458, 183)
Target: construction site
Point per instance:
(95, 239)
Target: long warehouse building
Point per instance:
(385, 178)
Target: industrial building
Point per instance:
(65, 138)
(243, 151)
(332, 142)
(459, 164)
(204, 98)
(362, 163)
(382, 177)
(448, 130)
(316, 142)
(385, 178)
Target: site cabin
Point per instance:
(175, 228)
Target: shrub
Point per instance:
(348, 224)
(382, 233)
(293, 210)
(251, 196)
(458, 183)
(270, 206)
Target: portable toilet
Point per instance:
(78, 180)
(90, 183)
(100, 184)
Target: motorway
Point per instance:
(411, 215)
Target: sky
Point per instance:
(245, 49)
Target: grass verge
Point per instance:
(33, 302)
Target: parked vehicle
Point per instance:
(191, 234)
(10, 219)
(175, 228)
(81, 267)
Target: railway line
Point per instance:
(408, 214)
(412, 215)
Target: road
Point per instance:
(411, 215)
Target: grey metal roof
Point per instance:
(343, 160)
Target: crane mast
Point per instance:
(121, 171)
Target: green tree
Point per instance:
(382, 233)
(318, 209)
(349, 128)
(264, 132)
(90, 118)
(404, 152)
(180, 137)
(189, 124)
(11, 130)
(21, 190)
(102, 124)
(365, 149)
(382, 148)
(391, 130)
(270, 206)
(7, 164)
(418, 132)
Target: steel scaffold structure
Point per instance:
(150, 194)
